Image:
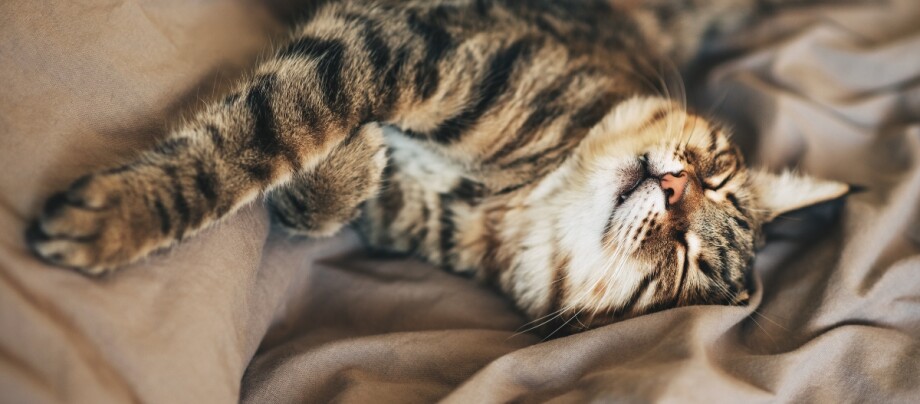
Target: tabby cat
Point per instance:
(520, 142)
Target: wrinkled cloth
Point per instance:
(242, 313)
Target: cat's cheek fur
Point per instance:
(569, 212)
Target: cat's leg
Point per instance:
(348, 67)
(283, 120)
(319, 201)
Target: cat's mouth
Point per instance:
(635, 178)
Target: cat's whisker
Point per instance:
(563, 325)
(725, 293)
(643, 76)
(598, 307)
(680, 83)
(768, 319)
(693, 131)
(583, 326)
(550, 314)
(617, 256)
(762, 329)
(554, 315)
(619, 261)
(688, 139)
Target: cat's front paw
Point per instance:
(95, 226)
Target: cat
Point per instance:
(520, 142)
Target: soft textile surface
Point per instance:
(241, 313)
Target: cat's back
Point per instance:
(579, 25)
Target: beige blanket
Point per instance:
(241, 313)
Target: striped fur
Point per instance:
(519, 142)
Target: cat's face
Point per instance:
(661, 212)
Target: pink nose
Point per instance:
(674, 186)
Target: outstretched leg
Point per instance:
(318, 202)
(252, 142)
(350, 66)
(296, 109)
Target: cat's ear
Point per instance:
(786, 192)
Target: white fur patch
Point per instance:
(421, 163)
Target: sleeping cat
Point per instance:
(518, 141)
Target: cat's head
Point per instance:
(659, 211)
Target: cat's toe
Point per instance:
(86, 228)
(77, 253)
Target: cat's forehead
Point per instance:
(665, 129)
(687, 134)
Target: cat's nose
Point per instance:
(674, 186)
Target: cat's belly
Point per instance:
(411, 212)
